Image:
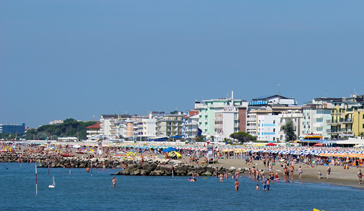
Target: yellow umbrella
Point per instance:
(175, 153)
(130, 154)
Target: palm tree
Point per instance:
(288, 129)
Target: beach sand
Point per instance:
(338, 176)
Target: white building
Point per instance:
(190, 127)
(222, 124)
(226, 122)
(268, 127)
(296, 116)
(56, 122)
(317, 119)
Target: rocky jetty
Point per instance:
(177, 169)
(147, 167)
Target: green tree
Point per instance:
(69, 127)
(242, 137)
(200, 138)
(288, 129)
(361, 134)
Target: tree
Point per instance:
(200, 138)
(288, 129)
(361, 134)
(242, 137)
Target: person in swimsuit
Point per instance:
(114, 182)
(264, 182)
(360, 176)
(237, 185)
(328, 172)
(257, 187)
(268, 183)
(299, 172)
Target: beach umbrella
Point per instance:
(318, 145)
(169, 149)
(271, 144)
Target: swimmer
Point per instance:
(87, 169)
(257, 187)
(237, 185)
(114, 182)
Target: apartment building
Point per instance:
(221, 117)
(190, 129)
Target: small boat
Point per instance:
(53, 184)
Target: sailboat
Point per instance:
(53, 184)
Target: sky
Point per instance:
(82, 58)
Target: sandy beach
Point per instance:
(338, 176)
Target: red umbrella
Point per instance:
(271, 144)
(318, 145)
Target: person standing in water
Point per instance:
(237, 185)
(114, 182)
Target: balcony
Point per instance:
(342, 131)
(318, 124)
(346, 121)
(317, 116)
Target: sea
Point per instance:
(76, 189)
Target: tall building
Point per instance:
(190, 126)
(271, 105)
(150, 123)
(316, 119)
(93, 131)
(268, 127)
(342, 119)
(170, 125)
(12, 128)
(113, 126)
(221, 117)
(296, 117)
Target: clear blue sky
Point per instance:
(75, 59)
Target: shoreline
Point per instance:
(339, 176)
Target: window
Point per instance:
(274, 121)
(274, 130)
(363, 126)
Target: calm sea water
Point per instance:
(81, 191)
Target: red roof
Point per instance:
(192, 113)
(95, 126)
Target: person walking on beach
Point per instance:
(237, 185)
(299, 172)
(360, 176)
(319, 174)
(114, 182)
(328, 172)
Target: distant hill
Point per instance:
(69, 127)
